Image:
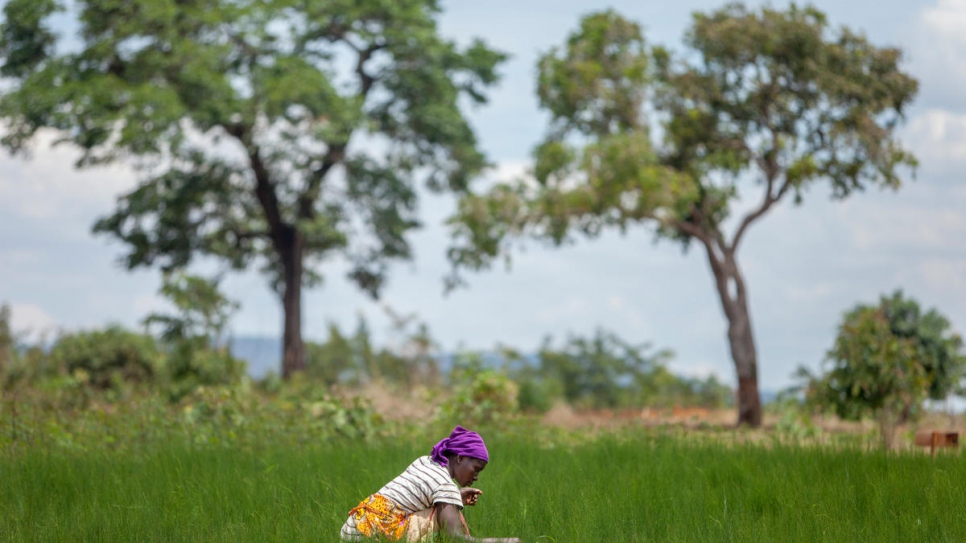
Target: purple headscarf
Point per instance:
(462, 442)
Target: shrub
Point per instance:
(192, 364)
(480, 396)
(107, 357)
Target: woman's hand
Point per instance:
(470, 495)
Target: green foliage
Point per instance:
(938, 348)
(107, 358)
(880, 365)
(536, 394)
(794, 417)
(203, 311)
(604, 371)
(695, 492)
(193, 338)
(774, 95)
(479, 395)
(338, 359)
(774, 98)
(353, 360)
(216, 414)
(25, 41)
(239, 113)
(193, 363)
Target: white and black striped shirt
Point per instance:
(423, 485)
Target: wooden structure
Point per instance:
(936, 440)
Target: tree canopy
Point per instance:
(769, 100)
(886, 360)
(278, 132)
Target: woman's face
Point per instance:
(466, 469)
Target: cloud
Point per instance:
(47, 187)
(937, 51)
(31, 320)
(947, 275)
(947, 19)
(938, 139)
(908, 226)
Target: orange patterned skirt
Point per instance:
(378, 516)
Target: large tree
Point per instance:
(774, 101)
(285, 132)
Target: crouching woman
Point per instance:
(425, 499)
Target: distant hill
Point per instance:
(263, 354)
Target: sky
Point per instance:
(804, 265)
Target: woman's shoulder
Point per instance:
(427, 467)
(427, 463)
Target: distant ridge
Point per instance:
(263, 354)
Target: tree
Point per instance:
(937, 347)
(885, 361)
(286, 132)
(197, 350)
(603, 371)
(203, 311)
(771, 99)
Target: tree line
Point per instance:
(178, 353)
(284, 133)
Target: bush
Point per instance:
(107, 357)
(191, 363)
(480, 396)
(537, 395)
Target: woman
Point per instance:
(424, 499)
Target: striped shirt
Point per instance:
(423, 485)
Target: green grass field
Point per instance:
(642, 487)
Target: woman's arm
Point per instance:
(450, 524)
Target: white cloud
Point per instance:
(937, 51)
(946, 275)
(31, 320)
(48, 187)
(948, 19)
(898, 224)
(507, 170)
(938, 139)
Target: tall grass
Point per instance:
(642, 487)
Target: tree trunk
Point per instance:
(289, 247)
(293, 352)
(734, 302)
(888, 424)
(746, 364)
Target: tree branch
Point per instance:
(366, 80)
(265, 191)
(336, 152)
(334, 155)
(769, 165)
(766, 203)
